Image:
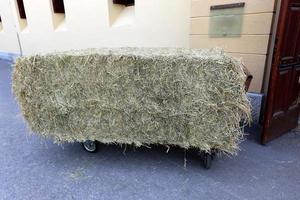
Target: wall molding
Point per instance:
(8, 56)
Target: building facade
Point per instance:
(31, 26)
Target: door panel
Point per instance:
(296, 78)
(294, 95)
(282, 107)
(280, 101)
(291, 34)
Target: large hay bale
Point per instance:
(189, 98)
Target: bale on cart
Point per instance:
(140, 96)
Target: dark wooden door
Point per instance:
(282, 108)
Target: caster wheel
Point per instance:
(207, 160)
(213, 155)
(90, 146)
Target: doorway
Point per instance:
(282, 107)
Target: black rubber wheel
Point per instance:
(213, 155)
(207, 160)
(90, 146)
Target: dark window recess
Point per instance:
(124, 2)
(21, 9)
(0, 19)
(58, 6)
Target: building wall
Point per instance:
(8, 31)
(150, 23)
(97, 23)
(251, 46)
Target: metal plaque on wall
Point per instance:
(226, 20)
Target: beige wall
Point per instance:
(98, 23)
(150, 23)
(8, 31)
(252, 46)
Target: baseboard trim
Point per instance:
(256, 100)
(8, 56)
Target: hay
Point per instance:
(189, 98)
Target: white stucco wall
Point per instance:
(150, 23)
(8, 31)
(99, 23)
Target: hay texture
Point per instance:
(189, 98)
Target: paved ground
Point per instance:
(32, 168)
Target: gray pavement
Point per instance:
(34, 168)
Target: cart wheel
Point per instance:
(213, 155)
(207, 159)
(90, 146)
